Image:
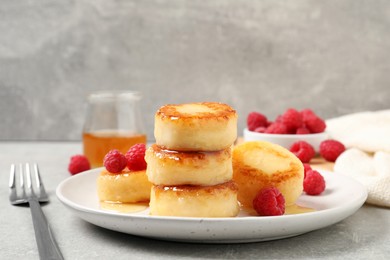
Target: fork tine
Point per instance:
(42, 192)
(31, 192)
(37, 177)
(21, 176)
(12, 176)
(22, 184)
(12, 195)
(28, 177)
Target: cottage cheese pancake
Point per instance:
(207, 126)
(195, 201)
(168, 167)
(125, 187)
(260, 164)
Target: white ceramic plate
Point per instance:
(342, 197)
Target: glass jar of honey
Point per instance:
(113, 121)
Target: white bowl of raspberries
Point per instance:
(302, 132)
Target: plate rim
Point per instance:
(351, 206)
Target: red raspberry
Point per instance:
(276, 128)
(278, 119)
(307, 112)
(78, 163)
(314, 183)
(302, 131)
(312, 122)
(292, 119)
(269, 202)
(136, 157)
(303, 150)
(255, 120)
(114, 161)
(306, 168)
(331, 149)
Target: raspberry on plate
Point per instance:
(331, 149)
(78, 163)
(269, 202)
(314, 123)
(306, 168)
(136, 157)
(255, 120)
(314, 183)
(303, 150)
(114, 161)
(292, 119)
(276, 128)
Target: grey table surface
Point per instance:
(364, 235)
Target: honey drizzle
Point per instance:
(289, 210)
(296, 209)
(124, 207)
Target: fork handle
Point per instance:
(47, 246)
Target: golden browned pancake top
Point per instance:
(207, 110)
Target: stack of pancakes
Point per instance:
(190, 166)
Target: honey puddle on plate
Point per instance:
(289, 210)
(296, 209)
(124, 207)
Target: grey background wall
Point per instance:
(332, 56)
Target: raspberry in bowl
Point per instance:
(288, 128)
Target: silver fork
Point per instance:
(47, 246)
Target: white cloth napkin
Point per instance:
(367, 159)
